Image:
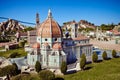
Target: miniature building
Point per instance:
(50, 48)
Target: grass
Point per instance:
(106, 70)
(20, 51)
(1, 48)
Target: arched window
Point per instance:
(55, 39)
(45, 39)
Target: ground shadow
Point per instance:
(88, 62)
(108, 58)
(98, 61)
(87, 68)
(59, 78)
(117, 56)
(71, 72)
(18, 55)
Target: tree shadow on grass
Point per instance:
(59, 78)
(88, 62)
(18, 55)
(98, 61)
(108, 58)
(117, 56)
(87, 68)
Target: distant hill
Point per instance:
(81, 24)
(11, 25)
(86, 24)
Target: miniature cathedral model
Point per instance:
(48, 49)
(51, 49)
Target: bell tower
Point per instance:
(37, 20)
(74, 30)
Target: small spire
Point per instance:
(37, 18)
(49, 14)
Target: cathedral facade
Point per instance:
(51, 49)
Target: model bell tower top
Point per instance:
(37, 18)
(49, 14)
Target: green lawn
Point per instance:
(20, 51)
(105, 70)
(1, 48)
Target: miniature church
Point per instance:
(51, 49)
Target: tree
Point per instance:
(83, 56)
(7, 70)
(46, 75)
(16, 68)
(104, 55)
(82, 61)
(22, 77)
(94, 57)
(29, 28)
(63, 67)
(38, 66)
(13, 55)
(22, 44)
(80, 29)
(114, 54)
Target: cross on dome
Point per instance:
(49, 14)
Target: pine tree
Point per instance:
(104, 55)
(46, 75)
(16, 68)
(114, 53)
(94, 57)
(38, 66)
(63, 67)
(82, 61)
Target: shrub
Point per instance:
(105, 39)
(22, 44)
(82, 61)
(16, 68)
(59, 77)
(46, 75)
(63, 67)
(4, 40)
(104, 55)
(37, 66)
(22, 77)
(114, 53)
(7, 70)
(94, 57)
(13, 55)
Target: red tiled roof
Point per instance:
(49, 28)
(80, 37)
(23, 34)
(115, 32)
(57, 46)
(36, 45)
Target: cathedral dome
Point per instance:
(57, 46)
(49, 28)
(36, 45)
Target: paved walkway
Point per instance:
(107, 45)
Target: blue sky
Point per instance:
(95, 11)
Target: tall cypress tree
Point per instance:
(63, 67)
(38, 66)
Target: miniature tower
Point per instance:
(37, 20)
(74, 30)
